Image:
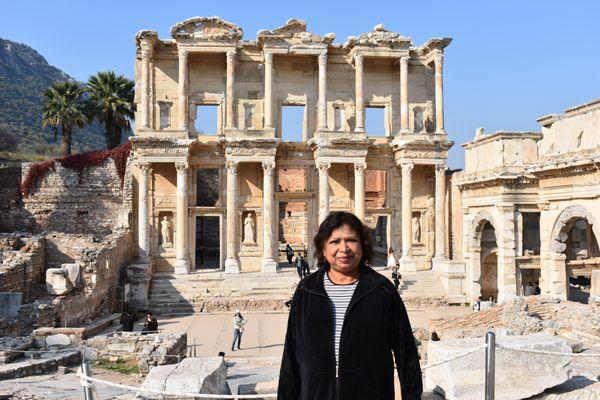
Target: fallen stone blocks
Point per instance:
(519, 374)
(60, 281)
(205, 375)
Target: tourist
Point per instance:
(305, 267)
(537, 290)
(391, 261)
(127, 321)
(150, 325)
(289, 252)
(477, 305)
(346, 291)
(238, 328)
(395, 276)
(299, 266)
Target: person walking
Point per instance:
(238, 328)
(299, 266)
(391, 261)
(289, 252)
(328, 352)
(395, 277)
(305, 266)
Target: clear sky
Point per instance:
(510, 61)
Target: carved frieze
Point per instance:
(379, 36)
(206, 28)
(257, 147)
(293, 31)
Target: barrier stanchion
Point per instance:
(194, 347)
(85, 370)
(490, 365)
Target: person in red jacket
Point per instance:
(347, 325)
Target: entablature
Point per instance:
(158, 150)
(425, 151)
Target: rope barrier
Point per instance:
(549, 353)
(180, 395)
(466, 353)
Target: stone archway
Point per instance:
(555, 274)
(477, 254)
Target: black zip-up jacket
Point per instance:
(376, 325)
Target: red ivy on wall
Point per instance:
(78, 162)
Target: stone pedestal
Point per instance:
(452, 277)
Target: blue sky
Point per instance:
(510, 61)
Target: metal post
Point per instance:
(194, 348)
(490, 365)
(86, 371)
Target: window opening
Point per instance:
(375, 121)
(206, 119)
(292, 123)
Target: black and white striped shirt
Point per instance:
(340, 296)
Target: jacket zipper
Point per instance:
(337, 372)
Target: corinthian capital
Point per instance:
(440, 169)
(268, 167)
(358, 60)
(359, 168)
(231, 167)
(268, 58)
(404, 61)
(183, 55)
(230, 56)
(181, 167)
(438, 59)
(323, 58)
(407, 168)
(144, 167)
(323, 167)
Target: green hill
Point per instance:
(24, 75)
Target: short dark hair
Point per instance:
(335, 220)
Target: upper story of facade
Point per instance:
(247, 83)
(568, 143)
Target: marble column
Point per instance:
(182, 262)
(143, 210)
(404, 94)
(268, 264)
(323, 190)
(322, 106)
(407, 262)
(232, 264)
(440, 211)
(439, 93)
(145, 89)
(359, 190)
(183, 89)
(358, 87)
(230, 120)
(268, 106)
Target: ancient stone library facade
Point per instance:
(523, 210)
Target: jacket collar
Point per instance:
(367, 282)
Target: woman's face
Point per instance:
(343, 250)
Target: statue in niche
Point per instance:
(430, 219)
(428, 117)
(249, 229)
(165, 231)
(416, 229)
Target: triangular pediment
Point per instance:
(294, 32)
(379, 36)
(206, 28)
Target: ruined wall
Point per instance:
(22, 268)
(90, 202)
(14, 216)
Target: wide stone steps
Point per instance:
(216, 291)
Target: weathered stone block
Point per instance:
(57, 281)
(58, 340)
(519, 374)
(75, 275)
(206, 375)
(9, 304)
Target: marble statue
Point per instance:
(249, 229)
(165, 231)
(416, 229)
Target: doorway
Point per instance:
(208, 242)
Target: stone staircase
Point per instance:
(216, 291)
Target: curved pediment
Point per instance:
(379, 36)
(293, 31)
(206, 28)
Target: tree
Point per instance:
(64, 106)
(8, 140)
(111, 102)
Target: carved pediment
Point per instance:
(294, 30)
(379, 36)
(206, 28)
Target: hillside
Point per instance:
(24, 75)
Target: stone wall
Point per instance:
(23, 268)
(90, 202)
(14, 216)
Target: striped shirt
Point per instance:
(340, 296)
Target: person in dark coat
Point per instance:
(150, 325)
(289, 253)
(351, 356)
(127, 321)
(305, 267)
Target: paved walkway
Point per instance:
(265, 331)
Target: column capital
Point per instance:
(440, 169)
(182, 53)
(268, 58)
(268, 167)
(323, 167)
(144, 166)
(231, 167)
(146, 52)
(181, 167)
(404, 61)
(230, 55)
(407, 167)
(359, 168)
(323, 57)
(358, 60)
(438, 59)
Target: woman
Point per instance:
(345, 322)
(238, 328)
(391, 261)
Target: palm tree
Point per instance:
(64, 106)
(111, 100)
